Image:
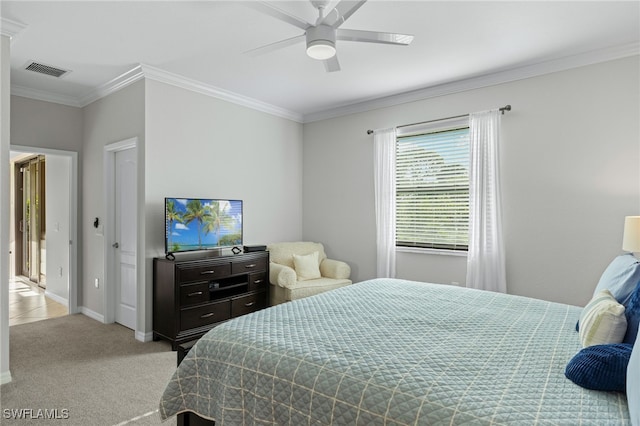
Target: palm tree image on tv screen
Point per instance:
(202, 224)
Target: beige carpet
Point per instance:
(92, 373)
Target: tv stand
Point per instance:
(194, 294)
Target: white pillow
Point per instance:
(307, 267)
(602, 321)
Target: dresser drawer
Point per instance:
(249, 266)
(192, 294)
(204, 315)
(249, 303)
(258, 281)
(203, 272)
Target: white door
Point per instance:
(125, 214)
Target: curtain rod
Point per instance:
(502, 110)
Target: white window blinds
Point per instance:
(432, 187)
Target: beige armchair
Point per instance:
(301, 269)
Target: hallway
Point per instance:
(27, 303)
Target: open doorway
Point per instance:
(43, 233)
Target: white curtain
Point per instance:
(384, 167)
(485, 259)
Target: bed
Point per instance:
(388, 351)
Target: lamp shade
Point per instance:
(631, 236)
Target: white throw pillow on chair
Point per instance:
(307, 266)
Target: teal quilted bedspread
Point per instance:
(393, 352)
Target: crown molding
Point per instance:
(93, 95)
(112, 86)
(485, 80)
(9, 28)
(504, 76)
(43, 95)
(162, 76)
(146, 71)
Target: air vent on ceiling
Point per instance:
(46, 69)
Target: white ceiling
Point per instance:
(204, 43)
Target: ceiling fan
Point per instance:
(321, 37)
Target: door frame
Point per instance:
(109, 229)
(73, 216)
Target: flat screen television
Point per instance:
(201, 224)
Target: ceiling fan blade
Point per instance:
(275, 46)
(332, 64)
(374, 37)
(273, 11)
(342, 12)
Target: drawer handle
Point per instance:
(195, 293)
(258, 281)
(253, 265)
(210, 314)
(249, 304)
(207, 272)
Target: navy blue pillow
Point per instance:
(632, 312)
(601, 367)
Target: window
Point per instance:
(432, 186)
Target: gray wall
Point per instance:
(111, 119)
(52, 126)
(45, 124)
(199, 146)
(569, 160)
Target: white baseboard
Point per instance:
(144, 337)
(56, 298)
(138, 335)
(5, 377)
(92, 314)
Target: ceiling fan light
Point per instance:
(321, 49)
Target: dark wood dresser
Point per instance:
(191, 295)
